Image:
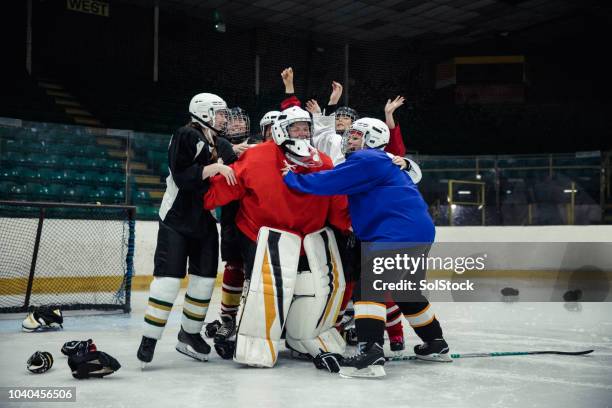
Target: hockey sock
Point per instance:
(370, 320)
(422, 320)
(348, 294)
(162, 294)
(197, 298)
(233, 281)
(394, 325)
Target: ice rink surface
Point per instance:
(174, 380)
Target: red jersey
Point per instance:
(266, 201)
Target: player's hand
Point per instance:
(241, 148)
(287, 76)
(288, 167)
(336, 93)
(329, 361)
(392, 105)
(400, 161)
(228, 173)
(313, 107)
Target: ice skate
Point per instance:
(434, 350)
(368, 363)
(146, 350)
(192, 345)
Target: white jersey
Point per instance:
(325, 138)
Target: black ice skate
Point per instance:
(350, 336)
(369, 363)
(396, 344)
(225, 342)
(434, 350)
(42, 319)
(192, 345)
(146, 350)
(227, 329)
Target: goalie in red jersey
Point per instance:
(295, 277)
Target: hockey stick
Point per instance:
(498, 354)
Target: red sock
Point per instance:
(394, 326)
(233, 280)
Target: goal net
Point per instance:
(74, 256)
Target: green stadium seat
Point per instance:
(79, 162)
(103, 194)
(19, 191)
(62, 149)
(111, 178)
(50, 192)
(18, 158)
(115, 165)
(9, 173)
(141, 197)
(84, 177)
(36, 159)
(26, 173)
(119, 196)
(6, 187)
(51, 160)
(78, 193)
(12, 146)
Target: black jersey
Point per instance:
(182, 207)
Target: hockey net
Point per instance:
(73, 256)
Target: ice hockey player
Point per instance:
(291, 260)
(223, 330)
(385, 206)
(265, 124)
(329, 126)
(187, 236)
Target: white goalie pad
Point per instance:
(264, 310)
(317, 298)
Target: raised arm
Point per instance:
(290, 98)
(396, 142)
(334, 98)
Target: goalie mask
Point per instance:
(266, 123)
(365, 133)
(291, 132)
(238, 127)
(210, 111)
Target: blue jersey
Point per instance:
(385, 205)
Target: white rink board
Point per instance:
(146, 236)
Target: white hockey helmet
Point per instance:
(203, 109)
(298, 151)
(372, 134)
(267, 120)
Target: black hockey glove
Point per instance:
(328, 361)
(350, 240)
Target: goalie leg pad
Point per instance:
(318, 298)
(264, 310)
